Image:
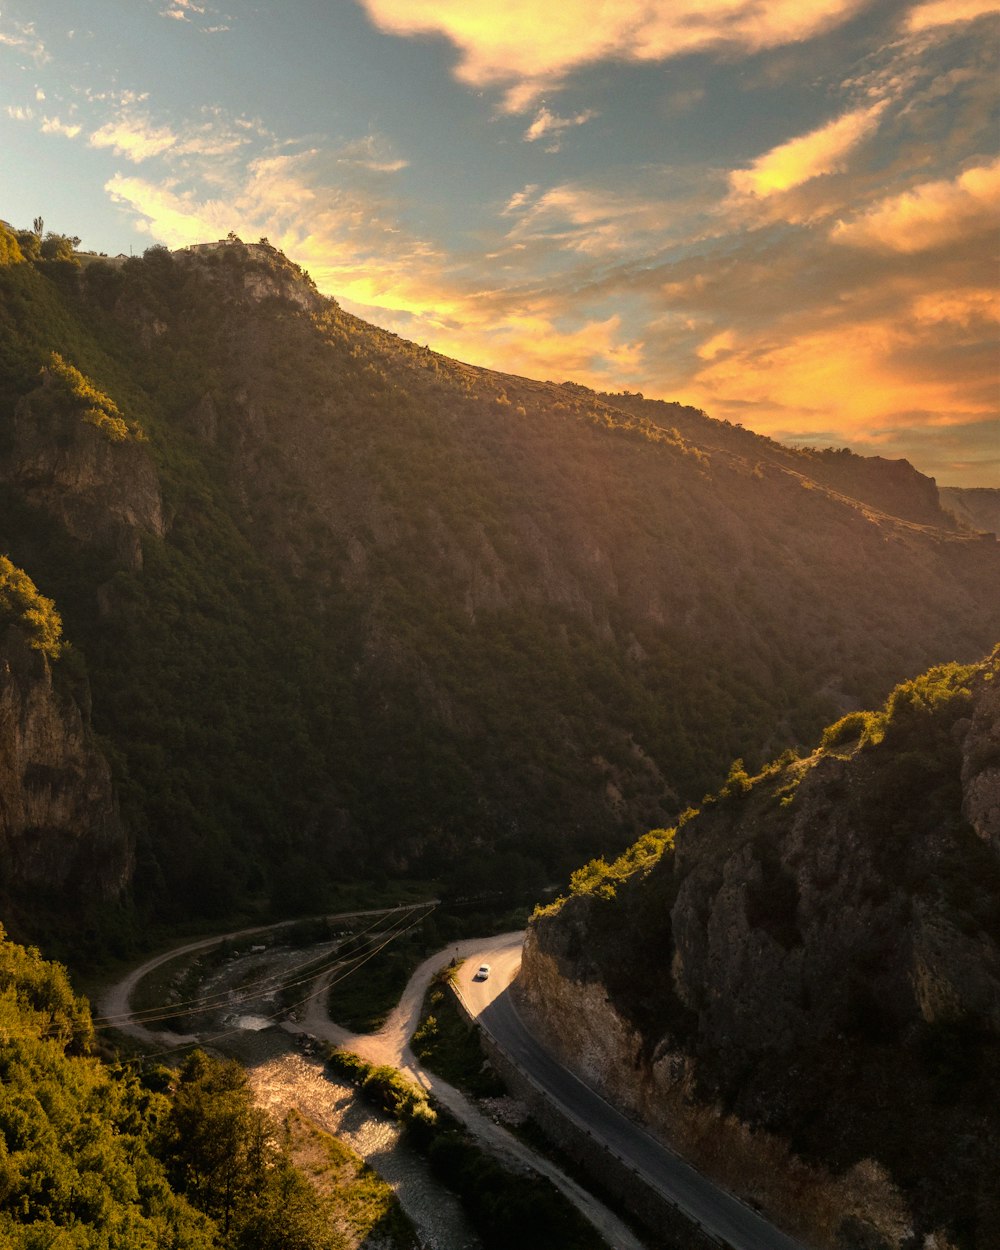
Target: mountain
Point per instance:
(977, 507)
(800, 985)
(348, 608)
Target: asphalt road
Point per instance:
(716, 1210)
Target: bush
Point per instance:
(23, 606)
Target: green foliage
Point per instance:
(390, 1091)
(446, 1043)
(10, 249)
(97, 409)
(476, 625)
(59, 247)
(23, 606)
(738, 782)
(30, 244)
(221, 1151)
(216, 1142)
(76, 1166)
(854, 727)
(601, 880)
(505, 1209)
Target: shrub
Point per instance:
(23, 606)
(98, 409)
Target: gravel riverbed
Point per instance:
(291, 1080)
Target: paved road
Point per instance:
(717, 1211)
(390, 1045)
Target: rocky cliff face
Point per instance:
(816, 967)
(104, 491)
(61, 839)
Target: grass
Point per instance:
(449, 1046)
(360, 1206)
(362, 1002)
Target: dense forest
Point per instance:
(337, 607)
(93, 1158)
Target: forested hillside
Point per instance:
(91, 1158)
(800, 984)
(340, 607)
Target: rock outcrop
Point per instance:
(104, 490)
(814, 965)
(62, 843)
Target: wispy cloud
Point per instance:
(821, 151)
(373, 153)
(23, 37)
(549, 126)
(588, 220)
(947, 13)
(512, 45)
(54, 126)
(135, 138)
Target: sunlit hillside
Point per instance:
(340, 607)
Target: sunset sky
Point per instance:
(785, 212)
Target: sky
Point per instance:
(784, 212)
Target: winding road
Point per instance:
(490, 1002)
(717, 1211)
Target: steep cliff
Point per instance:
(72, 453)
(63, 849)
(801, 988)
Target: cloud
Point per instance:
(371, 153)
(851, 375)
(586, 220)
(946, 12)
(181, 10)
(20, 112)
(53, 126)
(822, 151)
(514, 45)
(930, 215)
(136, 138)
(23, 37)
(549, 124)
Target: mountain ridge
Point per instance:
(455, 610)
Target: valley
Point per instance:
(297, 617)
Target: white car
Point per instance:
(483, 973)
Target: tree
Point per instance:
(217, 1144)
(38, 225)
(58, 247)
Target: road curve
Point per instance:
(718, 1212)
(390, 1045)
(114, 1006)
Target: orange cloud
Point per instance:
(930, 215)
(850, 375)
(512, 43)
(947, 12)
(819, 152)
